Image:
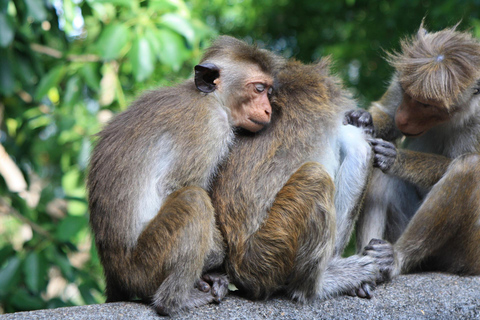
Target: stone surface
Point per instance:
(416, 296)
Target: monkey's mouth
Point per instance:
(412, 135)
(259, 123)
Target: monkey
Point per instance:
(151, 215)
(286, 199)
(425, 195)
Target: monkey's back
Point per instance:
(147, 152)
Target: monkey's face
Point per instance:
(414, 117)
(253, 110)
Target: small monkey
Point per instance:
(427, 199)
(286, 199)
(153, 220)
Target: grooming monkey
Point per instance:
(153, 220)
(428, 200)
(286, 199)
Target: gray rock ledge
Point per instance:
(416, 296)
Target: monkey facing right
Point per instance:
(427, 199)
(286, 200)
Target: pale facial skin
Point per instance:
(254, 111)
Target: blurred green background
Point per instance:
(67, 66)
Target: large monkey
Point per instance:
(428, 200)
(287, 198)
(153, 220)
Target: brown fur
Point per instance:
(153, 221)
(276, 207)
(431, 66)
(429, 201)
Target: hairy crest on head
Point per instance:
(426, 196)
(427, 62)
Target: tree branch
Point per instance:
(59, 55)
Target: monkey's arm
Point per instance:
(419, 168)
(383, 123)
(375, 122)
(350, 181)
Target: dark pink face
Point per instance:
(414, 117)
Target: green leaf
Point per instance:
(51, 79)
(64, 264)
(6, 30)
(9, 276)
(180, 25)
(153, 41)
(142, 59)
(35, 271)
(123, 3)
(91, 76)
(69, 227)
(36, 9)
(86, 294)
(172, 48)
(7, 82)
(72, 90)
(163, 6)
(24, 301)
(112, 41)
(5, 253)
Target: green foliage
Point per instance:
(356, 33)
(60, 78)
(65, 69)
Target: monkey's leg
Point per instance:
(388, 207)
(445, 229)
(295, 242)
(171, 252)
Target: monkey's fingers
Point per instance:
(360, 118)
(384, 257)
(366, 290)
(219, 284)
(202, 285)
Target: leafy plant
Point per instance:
(63, 69)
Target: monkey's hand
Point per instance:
(360, 118)
(383, 254)
(385, 153)
(215, 283)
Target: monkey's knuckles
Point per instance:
(218, 284)
(383, 254)
(360, 118)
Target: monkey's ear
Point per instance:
(205, 75)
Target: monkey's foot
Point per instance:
(364, 291)
(215, 283)
(383, 254)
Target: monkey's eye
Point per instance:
(476, 91)
(270, 91)
(259, 87)
(424, 105)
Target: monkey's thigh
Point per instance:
(295, 242)
(174, 246)
(388, 207)
(445, 231)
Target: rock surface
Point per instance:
(416, 296)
